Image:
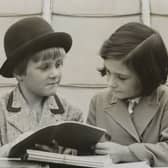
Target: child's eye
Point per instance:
(107, 72)
(44, 67)
(58, 64)
(122, 77)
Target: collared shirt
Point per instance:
(132, 103)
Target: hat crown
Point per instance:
(28, 36)
(25, 31)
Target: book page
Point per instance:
(87, 161)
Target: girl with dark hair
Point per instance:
(134, 107)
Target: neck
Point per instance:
(31, 99)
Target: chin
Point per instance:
(49, 93)
(121, 97)
(52, 91)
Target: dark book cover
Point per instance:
(70, 134)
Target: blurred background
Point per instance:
(89, 22)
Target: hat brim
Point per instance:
(56, 39)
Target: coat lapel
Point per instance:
(52, 112)
(22, 118)
(18, 112)
(145, 112)
(118, 111)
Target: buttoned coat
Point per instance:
(17, 117)
(145, 131)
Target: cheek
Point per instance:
(59, 74)
(127, 85)
(38, 76)
(35, 80)
(135, 87)
(59, 77)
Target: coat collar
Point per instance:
(143, 114)
(16, 102)
(22, 118)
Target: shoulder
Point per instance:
(3, 108)
(162, 93)
(102, 93)
(63, 100)
(160, 97)
(4, 100)
(71, 111)
(102, 96)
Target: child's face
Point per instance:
(42, 77)
(123, 82)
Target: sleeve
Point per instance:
(4, 145)
(156, 153)
(91, 118)
(3, 126)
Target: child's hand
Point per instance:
(4, 150)
(117, 152)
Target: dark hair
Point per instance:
(51, 53)
(142, 49)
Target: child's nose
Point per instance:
(55, 73)
(112, 82)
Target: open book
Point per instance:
(92, 161)
(70, 134)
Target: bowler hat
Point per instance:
(28, 36)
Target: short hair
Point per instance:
(51, 53)
(142, 49)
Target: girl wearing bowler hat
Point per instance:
(35, 56)
(134, 107)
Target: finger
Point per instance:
(74, 152)
(61, 149)
(114, 158)
(67, 151)
(41, 147)
(102, 145)
(101, 152)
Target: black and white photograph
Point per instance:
(83, 84)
